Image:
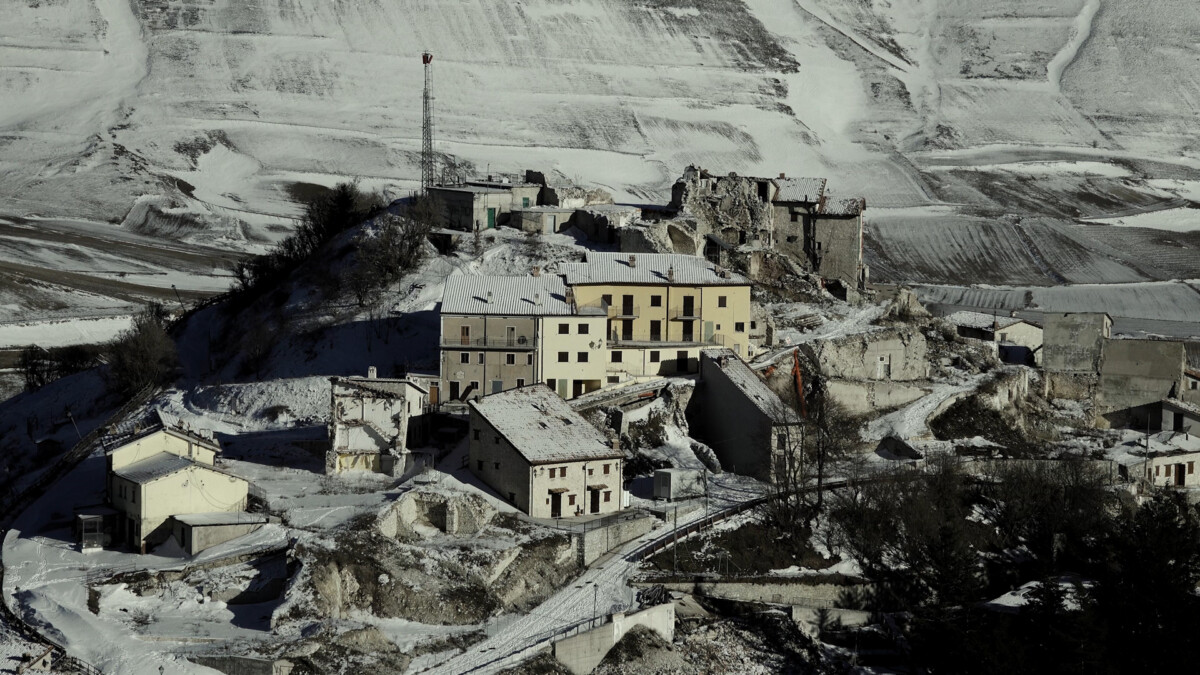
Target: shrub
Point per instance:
(143, 354)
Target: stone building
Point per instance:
(871, 371)
(373, 422)
(483, 204)
(745, 423)
(536, 452)
(1017, 340)
(1073, 344)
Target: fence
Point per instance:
(596, 523)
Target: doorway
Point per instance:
(1180, 474)
(595, 500)
(555, 505)
(491, 218)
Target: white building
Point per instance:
(1017, 340)
(373, 421)
(536, 452)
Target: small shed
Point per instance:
(198, 531)
(674, 484)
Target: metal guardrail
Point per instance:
(643, 338)
(517, 342)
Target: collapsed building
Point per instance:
(871, 371)
(374, 421)
(1127, 379)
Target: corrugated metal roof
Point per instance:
(799, 189)
(153, 468)
(981, 320)
(750, 384)
(647, 268)
(543, 427)
(505, 296)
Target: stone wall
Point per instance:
(805, 591)
(895, 354)
(1135, 374)
(1073, 343)
(581, 653)
(595, 543)
(860, 397)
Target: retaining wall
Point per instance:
(581, 653)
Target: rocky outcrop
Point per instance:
(428, 513)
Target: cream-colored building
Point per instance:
(661, 309)
(536, 452)
(1018, 340)
(162, 472)
(499, 333)
(373, 421)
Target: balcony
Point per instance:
(516, 343)
(648, 339)
(684, 314)
(624, 311)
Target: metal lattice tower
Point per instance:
(427, 160)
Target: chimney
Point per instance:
(633, 260)
(536, 271)
(489, 298)
(570, 296)
(782, 175)
(537, 298)
(371, 372)
(671, 274)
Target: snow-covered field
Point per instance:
(198, 126)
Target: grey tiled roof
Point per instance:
(799, 189)
(543, 427)
(750, 384)
(505, 296)
(647, 268)
(842, 207)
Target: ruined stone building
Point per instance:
(870, 371)
(729, 216)
(374, 421)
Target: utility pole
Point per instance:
(427, 161)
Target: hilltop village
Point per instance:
(604, 396)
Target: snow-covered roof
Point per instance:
(842, 207)
(799, 189)
(505, 296)
(220, 518)
(157, 420)
(1182, 405)
(543, 427)
(981, 320)
(648, 268)
(153, 468)
(750, 384)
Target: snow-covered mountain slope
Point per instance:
(219, 113)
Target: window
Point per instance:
(475, 386)
(495, 440)
(1156, 470)
(792, 238)
(608, 495)
(480, 359)
(495, 465)
(551, 383)
(795, 217)
(571, 500)
(510, 359)
(464, 357)
(529, 359)
(613, 379)
(606, 299)
(656, 301)
(552, 470)
(512, 497)
(781, 441)
(562, 472)
(583, 356)
(520, 382)
(591, 471)
(617, 356)
(583, 329)
(753, 325)
(479, 465)
(654, 357)
(739, 327)
(564, 329)
(133, 495)
(1194, 385)
(606, 469)
(476, 436)
(722, 301)
(563, 357)
(1191, 468)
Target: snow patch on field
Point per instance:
(47, 334)
(1171, 220)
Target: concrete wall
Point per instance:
(1073, 343)
(896, 355)
(836, 248)
(582, 653)
(863, 397)
(1179, 418)
(159, 442)
(584, 336)
(783, 592)
(595, 543)
(1136, 373)
(243, 665)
